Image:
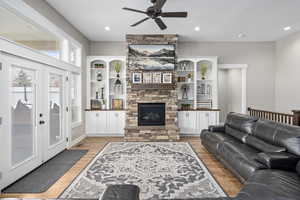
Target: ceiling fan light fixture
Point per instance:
(287, 28)
(197, 28)
(242, 35)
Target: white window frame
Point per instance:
(21, 8)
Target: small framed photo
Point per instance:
(167, 77)
(147, 77)
(137, 77)
(156, 77)
(117, 104)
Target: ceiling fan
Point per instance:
(155, 12)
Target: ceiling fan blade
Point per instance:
(141, 21)
(160, 23)
(159, 4)
(134, 10)
(174, 14)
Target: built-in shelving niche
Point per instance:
(197, 83)
(106, 83)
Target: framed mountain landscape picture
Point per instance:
(152, 57)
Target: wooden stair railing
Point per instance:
(292, 119)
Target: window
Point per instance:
(19, 30)
(74, 54)
(39, 35)
(76, 98)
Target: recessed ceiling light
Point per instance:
(287, 28)
(197, 28)
(241, 35)
(107, 28)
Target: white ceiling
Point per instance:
(219, 20)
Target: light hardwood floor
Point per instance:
(225, 178)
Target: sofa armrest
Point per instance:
(278, 160)
(121, 192)
(218, 128)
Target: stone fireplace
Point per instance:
(151, 113)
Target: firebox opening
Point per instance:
(151, 114)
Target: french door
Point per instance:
(55, 113)
(33, 121)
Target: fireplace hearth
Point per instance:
(151, 114)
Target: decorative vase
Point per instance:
(99, 76)
(118, 85)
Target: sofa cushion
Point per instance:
(241, 158)
(235, 133)
(262, 145)
(241, 122)
(213, 140)
(289, 137)
(271, 185)
(241, 149)
(219, 128)
(281, 160)
(279, 134)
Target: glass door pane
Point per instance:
(55, 108)
(23, 106)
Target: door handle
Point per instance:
(42, 122)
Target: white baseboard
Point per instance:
(105, 135)
(77, 140)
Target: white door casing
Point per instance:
(243, 68)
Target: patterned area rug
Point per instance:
(161, 170)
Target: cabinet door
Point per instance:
(116, 122)
(181, 120)
(95, 123)
(203, 118)
(101, 122)
(90, 124)
(187, 122)
(214, 118)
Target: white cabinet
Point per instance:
(193, 122)
(105, 123)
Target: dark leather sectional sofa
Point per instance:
(264, 155)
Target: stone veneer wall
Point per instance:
(170, 131)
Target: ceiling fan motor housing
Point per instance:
(153, 12)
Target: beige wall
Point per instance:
(51, 14)
(287, 73)
(259, 56)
